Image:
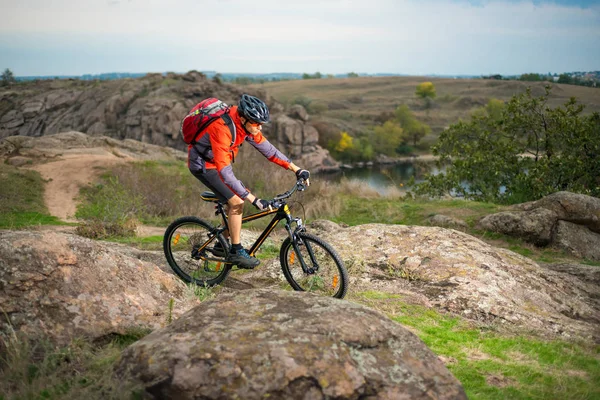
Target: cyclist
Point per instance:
(211, 159)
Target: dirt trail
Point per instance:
(67, 175)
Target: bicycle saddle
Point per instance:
(209, 196)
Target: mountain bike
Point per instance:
(307, 261)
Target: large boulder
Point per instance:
(64, 286)
(535, 226)
(577, 240)
(297, 111)
(260, 344)
(456, 272)
(572, 207)
(568, 221)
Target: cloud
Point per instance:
(327, 35)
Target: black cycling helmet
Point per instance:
(254, 109)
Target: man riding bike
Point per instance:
(210, 160)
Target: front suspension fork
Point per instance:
(296, 242)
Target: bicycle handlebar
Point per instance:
(299, 185)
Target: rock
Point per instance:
(572, 207)
(318, 160)
(383, 159)
(147, 109)
(19, 161)
(461, 274)
(289, 134)
(12, 119)
(577, 240)
(325, 225)
(310, 137)
(259, 344)
(447, 222)
(298, 112)
(533, 226)
(72, 142)
(32, 108)
(60, 99)
(63, 286)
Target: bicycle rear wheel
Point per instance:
(188, 245)
(326, 272)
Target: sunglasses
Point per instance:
(256, 124)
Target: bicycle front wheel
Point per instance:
(323, 271)
(189, 247)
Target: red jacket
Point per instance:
(219, 153)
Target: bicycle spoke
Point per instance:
(324, 273)
(188, 247)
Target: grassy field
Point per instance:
(497, 366)
(353, 104)
(22, 199)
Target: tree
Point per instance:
(352, 75)
(426, 91)
(493, 108)
(8, 77)
(565, 78)
(345, 142)
(414, 130)
(387, 138)
(529, 152)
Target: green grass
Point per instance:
(358, 211)
(268, 251)
(22, 199)
(75, 371)
(491, 365)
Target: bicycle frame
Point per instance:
(281, 213)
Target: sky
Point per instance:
(413, 37)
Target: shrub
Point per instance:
(529, 152)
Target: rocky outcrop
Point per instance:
(535, 226)
(33, 149)
(275, 344)
(577, 240)
(299, 140)
(63, 286)
(453, 271)
(147, 109)
(571, 207)
(564, 220)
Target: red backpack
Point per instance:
(201, 116)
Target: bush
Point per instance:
(526, 153)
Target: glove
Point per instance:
(303, 174)
(261, 204)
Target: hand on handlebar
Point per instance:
(304, 175)
(261, 204)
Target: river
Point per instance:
(380, 177)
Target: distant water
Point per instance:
(381, 177)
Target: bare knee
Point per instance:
(236, 205)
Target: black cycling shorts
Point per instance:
(211, 180)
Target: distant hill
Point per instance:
(356, 104)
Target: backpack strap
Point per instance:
(229, 122)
